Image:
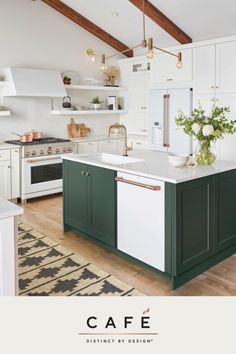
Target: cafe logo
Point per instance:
(117, 329)
(94, 322)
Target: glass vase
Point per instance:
(206, 154)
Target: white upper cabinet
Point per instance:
(215, 68)
(204, 69)
(165, 71)
(135, 75)
(226, 67)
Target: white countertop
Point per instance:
(5, 146)
(96, 138)
(156, 165)
(8, 209)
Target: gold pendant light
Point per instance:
(146, 43)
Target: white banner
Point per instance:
(111, 325)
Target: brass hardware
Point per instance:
(42, 160)
(137, 184)
(212, 87)
(169, 79)
(87, 174)
(166, 120)
(83, 173)
(217, 87)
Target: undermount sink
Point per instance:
(116, 159)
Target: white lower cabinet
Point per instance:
(5, 179)
(7, 257)
(111, 146)
(141, 221)
(108, 146)
(10, 173)
(88, 147)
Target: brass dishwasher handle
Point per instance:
(142, 185)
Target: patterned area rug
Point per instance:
(48, 269)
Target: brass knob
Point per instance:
(87, 174)
(83, 173)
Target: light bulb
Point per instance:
(179, 64)
(103, 67)
(150, 54)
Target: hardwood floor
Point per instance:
(45, 215)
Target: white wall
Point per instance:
(34, 35)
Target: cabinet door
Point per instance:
(75, 195)
(137, 97)
(226, 68)
(179, 142)
(225, 221)
(204, 69)
(194, 223)
(88, 147)
(102, 204)
(135, 123)
(205, 101)
(226, 146)
(5, 178)
(164, 69)
(15, 173)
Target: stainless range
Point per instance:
(41, 166)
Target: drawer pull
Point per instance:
(137, 184)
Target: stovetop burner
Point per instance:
(49, 140)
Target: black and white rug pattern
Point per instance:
(48, 269)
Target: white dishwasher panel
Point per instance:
(141, 219)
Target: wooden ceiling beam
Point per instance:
(162, 20)
(89, 26)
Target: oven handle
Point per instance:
(42, 160)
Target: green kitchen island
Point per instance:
(177, 221)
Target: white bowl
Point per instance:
(177, 160)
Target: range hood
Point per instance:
(31, 83)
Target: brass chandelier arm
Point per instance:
(124, 51)
(166, 51)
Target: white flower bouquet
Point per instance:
(206, 129)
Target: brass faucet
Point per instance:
(126, 148)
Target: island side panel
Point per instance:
(225, 210)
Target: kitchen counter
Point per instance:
(95, 138)
(155, 165)
(8, 209)
(5, 146)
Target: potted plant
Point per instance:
(96, 102)
(206, 129)
(66, 80)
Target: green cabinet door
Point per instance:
(225, 210)
(193, 236)
(90, 201)
(102, 204)
(75, 195)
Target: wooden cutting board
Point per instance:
(77, 130)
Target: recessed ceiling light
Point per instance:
(115, 13)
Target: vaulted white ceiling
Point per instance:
(200, 19)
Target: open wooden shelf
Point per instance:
(87, 112)
(95, 88)
(5, 113)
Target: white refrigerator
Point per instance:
(164, 106)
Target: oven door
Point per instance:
(41, 174)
